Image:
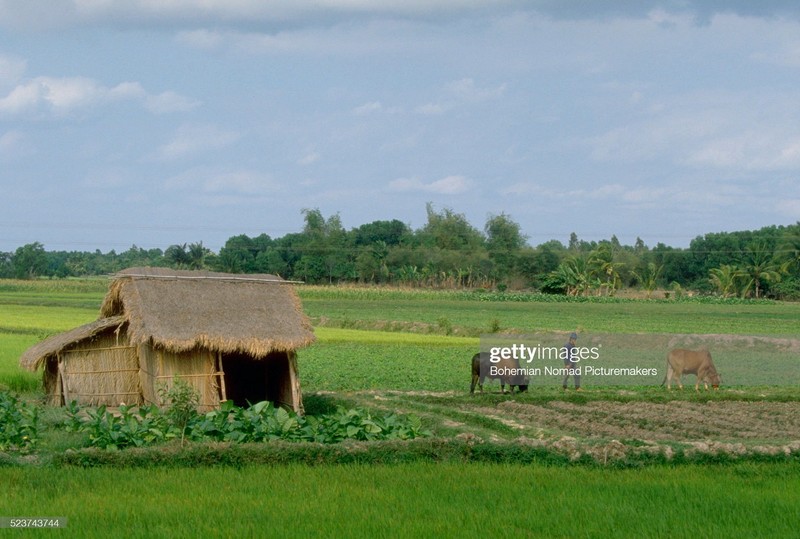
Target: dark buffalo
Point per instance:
(506, 370)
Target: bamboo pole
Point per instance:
(76, 350)
(201, 375)
(62, 368)
(223, 389)
(103, 372)
(205, 278)
(106, 394)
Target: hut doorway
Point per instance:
(249, 380)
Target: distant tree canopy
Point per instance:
(448, 251)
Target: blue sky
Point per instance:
(156, 122)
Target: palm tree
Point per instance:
(761, 266)
(790, 247)
(648, 278)
(573, 276)
(602, 264)
(196, 255)
(725, 278)
(178, 256)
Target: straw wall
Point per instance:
(198, 368)
(148, 373)
(100, 371)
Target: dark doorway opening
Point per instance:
(249, 380)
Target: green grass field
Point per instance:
(430, 311)
(415, 500)
(409, 351)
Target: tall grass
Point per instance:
(412, 500)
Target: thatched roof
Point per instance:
(34, 356)
(183, 310)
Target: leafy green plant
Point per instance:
(183, 400)
(261, 422)
(359, 424)
(127, 426)
(19, 424)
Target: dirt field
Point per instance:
(680, 421)
(606, 429)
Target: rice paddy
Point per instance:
(409, 351)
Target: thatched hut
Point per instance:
(232, 337)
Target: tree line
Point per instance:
(449, 252)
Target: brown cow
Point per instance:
(507, 372)
(698, 362)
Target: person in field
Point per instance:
(571, 363)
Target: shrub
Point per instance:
(261, 422)
(128, 427)
(19, 424)
(183, 400)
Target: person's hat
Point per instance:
(573, 336)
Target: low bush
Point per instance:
(128, 426)
(262, 422)
(19, 424)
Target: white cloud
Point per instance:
(191, 13)
(62, 95)
(127, 90)
(751, 150)
(349, 38)
(58, 94)
(193, 139)
(721, 130)
(450, 185)
(188, 13)
(20, 99)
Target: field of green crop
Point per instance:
(470, 315)
(412, 500)
(409, 351)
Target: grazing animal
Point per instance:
(698, 362)
(482, 369)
